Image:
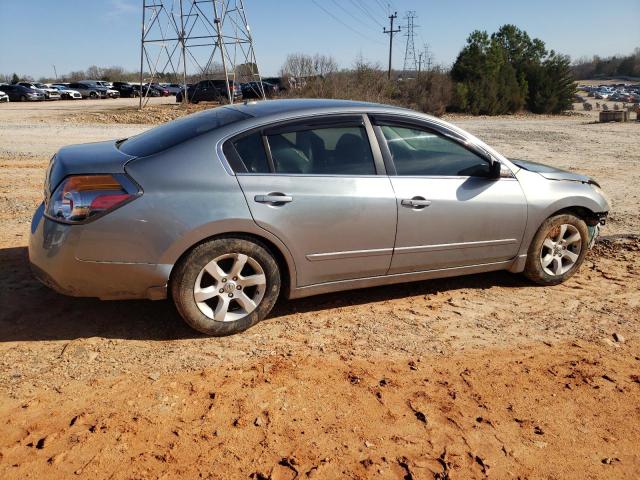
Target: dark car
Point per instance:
(143, 91)
(18, 93)
(156, 87)
(203, 91)
(126, 89)
(280, 82)
(255, 89)
(221, 85)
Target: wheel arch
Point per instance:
(273, 245)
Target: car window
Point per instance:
(323, 151)
(252, 153)
(417, 152)
(170, 134)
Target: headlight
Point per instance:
(82, 197)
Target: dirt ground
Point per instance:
(483, 376)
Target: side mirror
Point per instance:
(495, 169)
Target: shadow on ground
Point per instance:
(30, 311)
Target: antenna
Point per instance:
(410, 60)
(201, 39)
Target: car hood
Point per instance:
(552, 173)
(87, 158)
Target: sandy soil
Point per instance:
(483, 376)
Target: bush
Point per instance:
(430, 92)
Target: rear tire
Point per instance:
(557, 250)
(23, 98)
(226, 285)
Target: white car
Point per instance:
(111, 93)
(3, 97)
(67, 93)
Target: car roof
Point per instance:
(265, 108)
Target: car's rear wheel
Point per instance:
(557, 250)
(226, 285)
(93, 95)
(23, 98)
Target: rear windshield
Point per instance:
(172, 133)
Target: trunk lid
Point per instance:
(88, 158)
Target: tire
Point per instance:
(23, 98)
(257, 283)
(555, 254)
(93, 95)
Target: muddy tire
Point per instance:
(557, 250)
(226, 285)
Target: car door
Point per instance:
(451, 213)
(317, 186)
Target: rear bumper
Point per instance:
(52, 249)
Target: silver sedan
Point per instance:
(228, 209)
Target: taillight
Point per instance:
(82, 197)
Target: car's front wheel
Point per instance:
(226, 285)
(557, 250)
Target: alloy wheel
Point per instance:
(561, 249)
(230, 287)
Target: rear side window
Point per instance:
(252, 153)
(323, 151)
(172, 133)
(418, 152)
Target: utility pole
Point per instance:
(391, 32)
(55, 72)
(420, 62)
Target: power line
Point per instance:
(351, 14)
(343, 23)
(363, 8)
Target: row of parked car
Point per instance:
(205, 90)
(624, 92)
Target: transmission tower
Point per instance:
(196, 39)
(410, 60)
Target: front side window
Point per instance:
(417, 152)
(323, 151)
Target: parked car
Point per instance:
(172, 88)
(88, 90)
(113, 93)
(49, 93)
(126, 89)
(3, 96)
(66, 93)
(221, 85)
(303, 196)
(280, 82)
(18, 93)
(255, 89)
(203, 91)
(163, 92)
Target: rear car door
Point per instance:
(317, 186)
(450, 212)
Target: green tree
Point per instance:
(15, 78)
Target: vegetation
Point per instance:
(509, 71)
(615, 66)
(501, 73)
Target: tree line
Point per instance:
(499, 73)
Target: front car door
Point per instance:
(317, 186)
(450, 212)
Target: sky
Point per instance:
(74, 34)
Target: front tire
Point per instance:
(226, 285)
(557, 250)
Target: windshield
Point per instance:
(171, 134)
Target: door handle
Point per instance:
(415, 202)
(274, 198)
